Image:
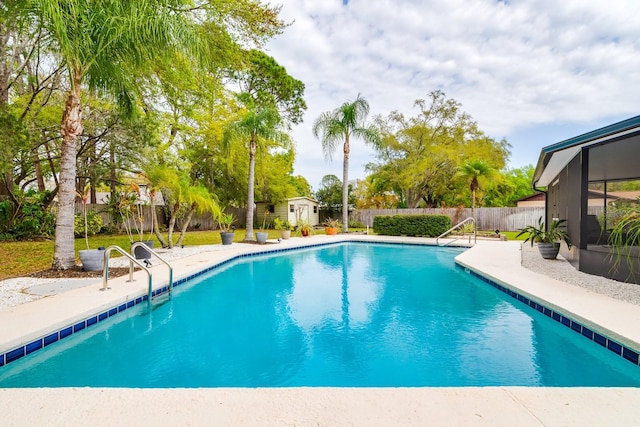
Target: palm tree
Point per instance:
(256, 126)
(474, 169)
(100, 45)
(341, 124)
(181, 195)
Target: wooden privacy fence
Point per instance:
(503, 219)
(200, 222)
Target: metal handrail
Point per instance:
(152, 252)
(105, 275)
(457, 226)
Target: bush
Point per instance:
(411, 225)
(34, 218)
(94, 224)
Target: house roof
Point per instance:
(292, 199)
(535, 196)
(555, 157)
(303, 198)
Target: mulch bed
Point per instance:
(78, 273)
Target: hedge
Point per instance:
(411, 225)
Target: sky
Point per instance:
(534, 72)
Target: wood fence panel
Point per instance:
(203, 221)
(503, 219)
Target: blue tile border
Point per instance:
(628, 353)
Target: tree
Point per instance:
(273, 99)
(342, 124)
(182, 198)
(473, 170)
(106, 46)
(100, 47)
(418, 157)
(256, 126)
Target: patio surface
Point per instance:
(491, 406)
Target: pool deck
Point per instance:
(491, 406)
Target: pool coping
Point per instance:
(491, 406)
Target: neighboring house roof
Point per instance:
(533, 197)
(292, 199)
(102, 197)
(554, 158)
(628, 195)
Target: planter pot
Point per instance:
(140, 253)
(92, 259)
(330, 231)
(285, 234)
(549, 250)
(227, 237)
(261, 237)
(304, 232)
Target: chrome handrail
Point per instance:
(105, 275)
(457, 226)
(152, 252)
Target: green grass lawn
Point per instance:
(25, 257)
(511, 235)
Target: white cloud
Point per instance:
(514, 65)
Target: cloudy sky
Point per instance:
(532, 71)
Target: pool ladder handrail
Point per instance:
(475, 235)
(154, 253)
(132, 260)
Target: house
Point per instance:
(596, 198)
(536, 200)
(293, 210)
(578, 177)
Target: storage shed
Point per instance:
(293, 210)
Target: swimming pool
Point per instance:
(351, 314)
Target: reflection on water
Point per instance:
(322, 292)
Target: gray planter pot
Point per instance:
(92, 259)
(261, 237)
(285, 234)
(227, 237)
(549, 250)
(140, 253)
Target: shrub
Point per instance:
(34, 218)
(357, 224)
(94, 224)
(411, 225)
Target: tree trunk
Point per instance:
(71, 128)
(156, 227)
(252, 165)
(172, 224)
(345, 186)
(50, 160)
(183, 230)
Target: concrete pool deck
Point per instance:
(493, 406)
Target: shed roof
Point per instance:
(555, 157)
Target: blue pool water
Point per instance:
(341, 315)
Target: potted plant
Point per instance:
(92, 259)
(331, 227)
(225, 222)
(261, 236)
(284, 227)
(305, 228)
(548, 239)
(624, 240)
